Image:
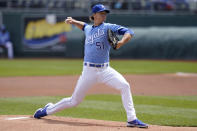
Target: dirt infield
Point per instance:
(167, 84)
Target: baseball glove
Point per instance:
(112, 38)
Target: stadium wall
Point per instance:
(156, 36)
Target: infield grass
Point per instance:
(156, 110)
(54, 67)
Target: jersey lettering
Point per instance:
(96, 35)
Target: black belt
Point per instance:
(96, 65)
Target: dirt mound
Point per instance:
(53, 123)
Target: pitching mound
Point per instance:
(53, 123)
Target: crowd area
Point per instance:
(136, 5)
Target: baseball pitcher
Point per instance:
(100, 37)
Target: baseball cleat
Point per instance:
(41, 112)
(137, 123)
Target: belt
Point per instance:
(96, 65)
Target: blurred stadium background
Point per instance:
(164, 29)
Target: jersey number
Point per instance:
(100, 45)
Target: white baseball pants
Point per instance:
(91, 76)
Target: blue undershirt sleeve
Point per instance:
(84, 26)
(122, 31)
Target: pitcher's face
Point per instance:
(100, 16)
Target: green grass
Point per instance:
(52, 67)
(165, 110)
(157, 110)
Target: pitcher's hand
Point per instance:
(69, 20)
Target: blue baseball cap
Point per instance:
(99, 8)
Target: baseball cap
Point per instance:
(99, 8)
